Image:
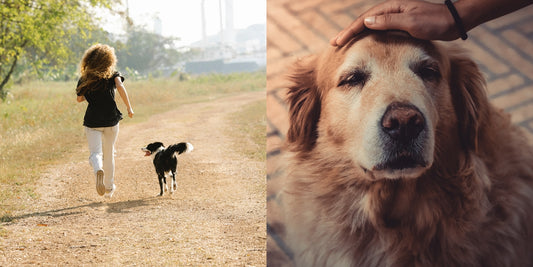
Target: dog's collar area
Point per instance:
(161, 148)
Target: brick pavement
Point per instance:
(503, 48)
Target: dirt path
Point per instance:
(217, 217)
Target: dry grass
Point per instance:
(248, 130)
(216, 218)
(41, 121)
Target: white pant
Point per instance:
(103, 161)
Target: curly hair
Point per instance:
(98, 63)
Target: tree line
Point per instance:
(45, 39)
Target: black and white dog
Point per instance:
(165, 161)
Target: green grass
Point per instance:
(154, 96)
(41, 121)
(248, 129)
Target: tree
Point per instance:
(40, 31)
(147, 52)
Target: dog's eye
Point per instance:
(356, 78)
(428, 72)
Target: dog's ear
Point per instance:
(304, 104)
(469, 98)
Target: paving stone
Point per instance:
(504, 84)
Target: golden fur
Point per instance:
(468, 203)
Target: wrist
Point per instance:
(458, 23)
(468, 14)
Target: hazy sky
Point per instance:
(182, 18)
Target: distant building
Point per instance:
(219, 66)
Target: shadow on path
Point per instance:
(113, 207)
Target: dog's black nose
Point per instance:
(402, 122)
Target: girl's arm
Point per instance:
(124, 95)
(80, 98)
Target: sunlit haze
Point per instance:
(183, 18)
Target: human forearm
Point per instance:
(476, 12)
(124, 95)
(428, 20)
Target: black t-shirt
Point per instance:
(102, 110)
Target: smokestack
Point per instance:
(230, 31)
(158, 25)
(221, 24)
(204, 32)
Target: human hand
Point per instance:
(130, 113)
(420, 19)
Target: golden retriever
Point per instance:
(396, 158)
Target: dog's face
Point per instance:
(379, 102)
(382, 109)
(152, 148)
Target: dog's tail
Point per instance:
(179, 148)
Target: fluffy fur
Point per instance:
(165, 161)
(364, 188)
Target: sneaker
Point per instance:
(109, 192)
(100, 187)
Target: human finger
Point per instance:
(391, 21)
(357, 26)
(343, 36)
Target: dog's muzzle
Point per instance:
(403, 134)
(146, 152)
